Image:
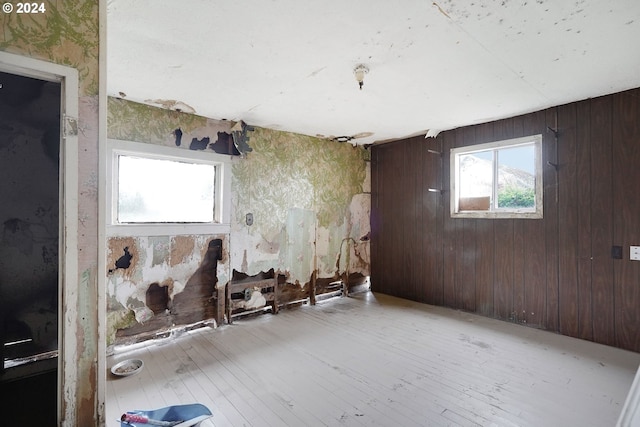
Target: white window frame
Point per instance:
(222, 202)
(493, 212)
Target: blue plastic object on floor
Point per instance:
(171, 416)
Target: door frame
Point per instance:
(68, 274)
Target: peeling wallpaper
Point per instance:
(131, 121)
(68, 34)
(300, 190)
(290, 170)
(310, 199)
(168, 261)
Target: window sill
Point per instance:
(497, 215)
(134, 230)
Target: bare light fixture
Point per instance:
(359, 72)
(343, 138)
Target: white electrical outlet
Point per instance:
(635, 253)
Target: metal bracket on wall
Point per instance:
(70, 126)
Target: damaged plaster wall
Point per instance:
(68, 34)
(310, 201)
(309, 197)
(180, 264)
(131, 121)
(174, 263)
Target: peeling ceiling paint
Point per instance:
(288, 65)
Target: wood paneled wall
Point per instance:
(555, 273)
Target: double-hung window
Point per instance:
(501, 179)
(158, 190)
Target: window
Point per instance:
(165, 190)
(500, 179)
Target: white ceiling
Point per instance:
(288, 64)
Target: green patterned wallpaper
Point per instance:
(307, 196)
(301, 192)
(288, 170)
(131, 121)
(284, 170)
(67, 33)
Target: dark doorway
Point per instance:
(29, 233)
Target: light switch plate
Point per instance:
(634, 253)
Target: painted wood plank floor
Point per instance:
(371, 359)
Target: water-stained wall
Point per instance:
(309, 200)
(310, 203)
(157, 282)
(67, 33)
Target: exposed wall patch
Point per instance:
(240, 133)
(124, 261)
(224, 144)
(178, 134)
(157, 298)
(195, 302)
(181, 248)
(199, 144)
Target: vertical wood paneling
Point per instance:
(384, 242)
(601, 125)
(411, 222)
(555, 273)
(485, 246)
(626, 207)
(567, 221)
(583, 190)
(441, 214)
(448, 227)
(466, 262)
(417, 269)
(395, 224)
(374, 219)
(432, 220)
(534, 256)
(404, 220)
(504, 249)
(519, 242)
(379, 215)
(386, 167)
(550, 154)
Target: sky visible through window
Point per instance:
(516, 157)
(155, 190)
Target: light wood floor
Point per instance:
(372, 359)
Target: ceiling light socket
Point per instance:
(359, 72)
(343, 138)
